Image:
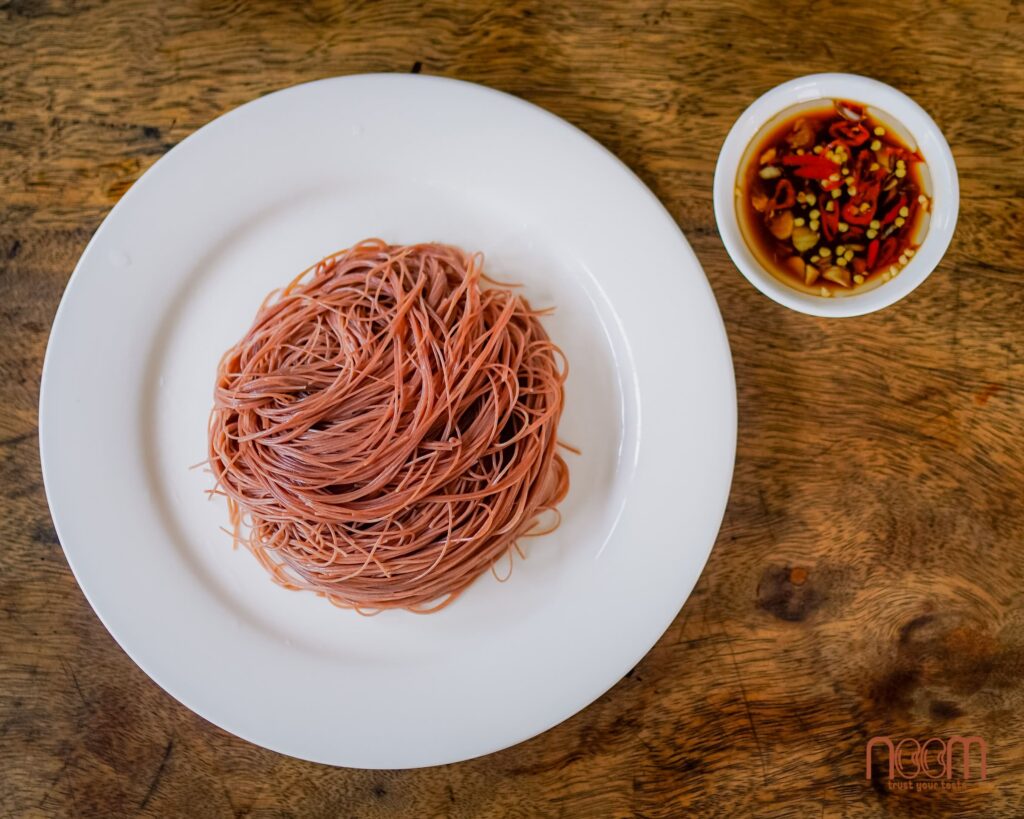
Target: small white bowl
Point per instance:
(945, 189)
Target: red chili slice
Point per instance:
(872, 253)
(888, 251)
(866, 195)
(852, 132)
(853, 215)
(836, 144)
(892, 214)
(785, 195)
(895, 152)
(860, 169)
(811, 166)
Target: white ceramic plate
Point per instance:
(174, 276)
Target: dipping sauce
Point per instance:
(831, 201)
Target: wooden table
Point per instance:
(867, 578)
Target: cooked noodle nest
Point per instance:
(387, 428)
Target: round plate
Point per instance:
(175, 275)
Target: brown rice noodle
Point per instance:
(386, 429)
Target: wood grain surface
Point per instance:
(868, 576)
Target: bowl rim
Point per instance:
(931, 143)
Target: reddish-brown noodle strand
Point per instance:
(386, 429)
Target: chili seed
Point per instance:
(904, 211)
(879, 131)
(876, 144)
(858, 279)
